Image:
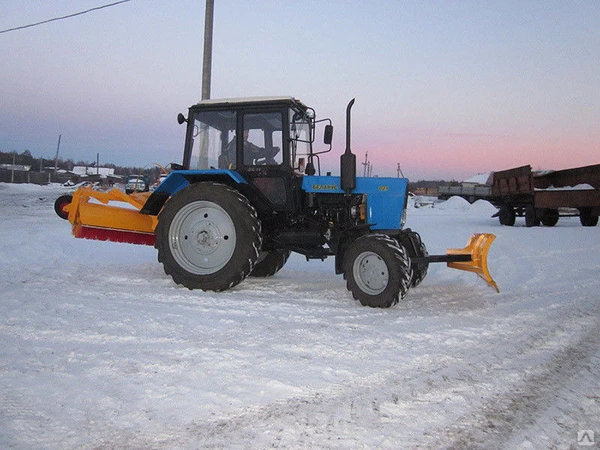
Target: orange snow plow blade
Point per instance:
(97, 219)
(477, 248)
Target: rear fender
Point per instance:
(180, 179)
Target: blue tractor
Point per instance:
(249, 192)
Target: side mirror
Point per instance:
(328, 135)
(181, 119)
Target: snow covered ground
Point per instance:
(99, 349)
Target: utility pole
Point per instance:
(12, 171)
(207, 58)
(399, 170)
(56, 158)
(206, 79)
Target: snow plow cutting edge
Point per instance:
(477, 248)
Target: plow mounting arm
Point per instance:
(471, 258)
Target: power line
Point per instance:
(64, 17)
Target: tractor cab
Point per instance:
(267, 140)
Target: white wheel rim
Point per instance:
(370, 273)
(202, 237)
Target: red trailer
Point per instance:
(542, 197)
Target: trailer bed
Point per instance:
(542, 197)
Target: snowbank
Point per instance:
(454, 203)
(459, 204)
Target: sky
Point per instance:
(443, 89)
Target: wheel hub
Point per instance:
(202, 237)
(207, 237)
(371, 273)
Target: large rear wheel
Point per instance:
(208, 236)
(377, 270)
(269, 263)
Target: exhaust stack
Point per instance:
(348, 159)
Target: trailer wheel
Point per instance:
(507, 215)
(59, 206)
(531, 219)
(377, 270)
(550, 217)
(586, 218)
(208, 236)
(269, 263)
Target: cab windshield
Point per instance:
(216, 144)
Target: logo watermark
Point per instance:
(585, 438)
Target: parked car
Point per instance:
(161, 178)
(137, 183)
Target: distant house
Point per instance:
(15, 167)
(87, 171)
(14, 173)
(103, 175)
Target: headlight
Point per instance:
(359, 211)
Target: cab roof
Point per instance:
(242, 101)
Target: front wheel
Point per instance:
(415, 247)
(208, 236)
(377, 270)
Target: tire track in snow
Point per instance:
(504, 417)
(380, 408)
(343, 415)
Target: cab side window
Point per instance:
(263, 138)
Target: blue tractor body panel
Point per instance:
(386, 197)
(179, 179)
